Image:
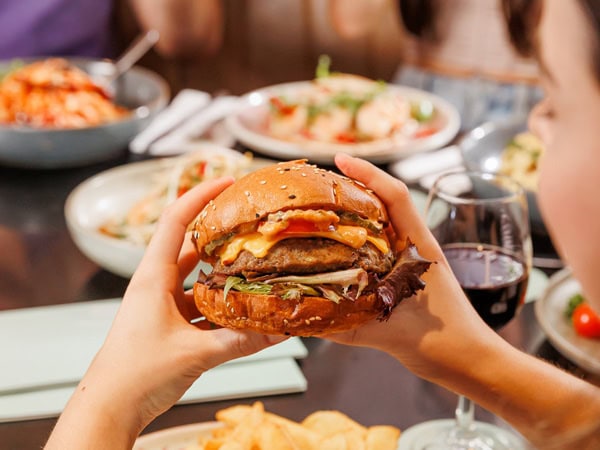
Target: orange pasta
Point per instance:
(55, 94)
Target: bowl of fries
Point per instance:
(62, 112)
(250, 427)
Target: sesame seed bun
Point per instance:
(311, 283)
(283, 186)
(270, 314)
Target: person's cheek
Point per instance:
(559, 189)
(553, 194)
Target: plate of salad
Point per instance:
(570, 324)
(112, 215)
(340, 112)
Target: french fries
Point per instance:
(250, 427)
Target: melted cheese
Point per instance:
(259, 244)
(279, 221)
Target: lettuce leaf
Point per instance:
(241, 285)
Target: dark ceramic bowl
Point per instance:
(140, 90)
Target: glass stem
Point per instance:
(465, 413)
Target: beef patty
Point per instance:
(304, 256)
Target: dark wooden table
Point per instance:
(40, 265)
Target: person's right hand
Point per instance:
(152, 353)
(436, 332)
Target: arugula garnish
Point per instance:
(323, 66)
(574, 302)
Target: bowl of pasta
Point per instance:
(507, 147)
(62, 112)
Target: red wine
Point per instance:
(494, 281)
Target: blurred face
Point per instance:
(568, 121)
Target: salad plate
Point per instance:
(176, 438)
(281, 121)
(112, 215)
(550, 313)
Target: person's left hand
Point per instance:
(153, 353)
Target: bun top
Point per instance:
(283, 186)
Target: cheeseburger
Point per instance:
(299, 250)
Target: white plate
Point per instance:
(549, 310)
(111, 194)
(184, 437)
(247, 125)
(417, 436)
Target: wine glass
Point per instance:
(481, 222)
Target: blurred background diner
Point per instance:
(425, 44)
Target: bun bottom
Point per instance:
(269, 314)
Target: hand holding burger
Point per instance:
(299, 250)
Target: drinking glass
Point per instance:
(481, 222)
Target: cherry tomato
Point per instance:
(585, 321)
(426, 131)
(281, 107)
(346, 138)
(301, 226)
(200, 169)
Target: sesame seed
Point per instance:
(303, 174)
(263, 181)
(283, 186)
(292, 196)
(247, 193)
(213, 228)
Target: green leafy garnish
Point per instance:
(290, 291)
(574, 302)
(323, 66)
(343, 99)
(422, 111)
(241, 285)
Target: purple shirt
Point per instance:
(55, 28)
